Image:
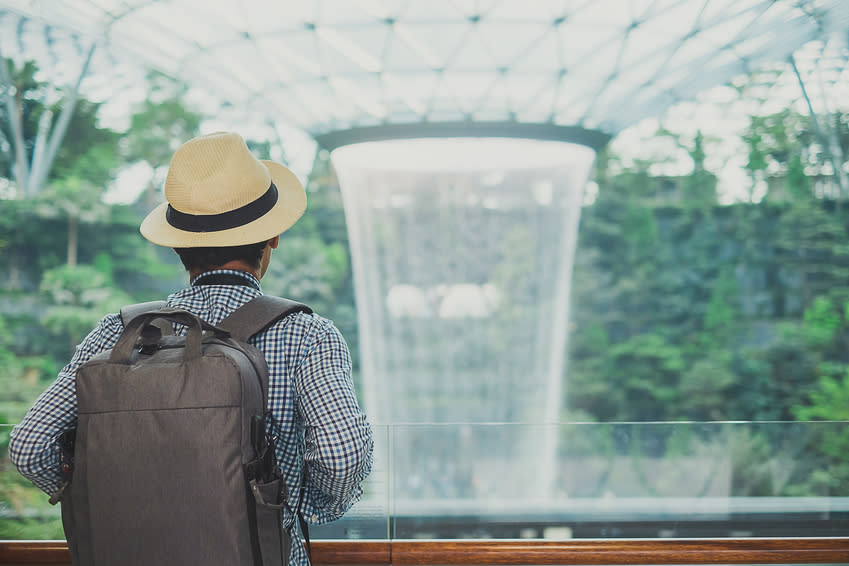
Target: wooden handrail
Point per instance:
(609, 551)
(827, 550)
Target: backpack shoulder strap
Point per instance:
(258, 314)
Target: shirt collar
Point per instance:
(249, 280)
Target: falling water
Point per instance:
(462, 253)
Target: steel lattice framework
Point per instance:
(328, 66)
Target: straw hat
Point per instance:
(219, 194)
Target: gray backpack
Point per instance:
(170, 462)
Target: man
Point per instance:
(224, 213)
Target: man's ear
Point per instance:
(274, 242)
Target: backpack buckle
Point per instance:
(149, 340)
(148, 349)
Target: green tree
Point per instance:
(78, 296)
(34, 120)
(23, 376)
(829, 402)
(19, 118)
(704, 390)
(309, 270)
(719, 327)
(647, 369)
(75, 200)
(161, 122)
(828, 441)
(89, 151)
(778, 145)
(158, 126)
(698, 189)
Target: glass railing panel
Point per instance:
(601, 480)
(640, 480)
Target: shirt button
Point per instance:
(313, 518)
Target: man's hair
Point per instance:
(210, 258)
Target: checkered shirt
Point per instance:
(311, 397)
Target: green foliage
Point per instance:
(774, 139)
(719, 326)
(829, 443)
(78, 296)
(683, 309)
(89, 152)
(23, 376)
(34, 518)
(739, 301)
(160, 123)
(751, 457)
(830, 401)
(820, 323)
(812, 241)
(307, 269)
(28, 90)
(648, 370)
(704, 390)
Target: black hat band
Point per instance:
(226, 220)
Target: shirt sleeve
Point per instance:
(33, 444)
(338, 438)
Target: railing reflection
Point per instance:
(613, 480)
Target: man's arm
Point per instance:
(33, 446)
(338, 437)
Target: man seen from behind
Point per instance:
(224, 213)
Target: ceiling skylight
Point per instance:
(330, 65)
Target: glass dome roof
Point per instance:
(330, 66)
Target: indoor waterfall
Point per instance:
(462, 253)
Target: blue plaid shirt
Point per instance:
(311, 397)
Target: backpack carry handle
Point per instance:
(123, 350)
